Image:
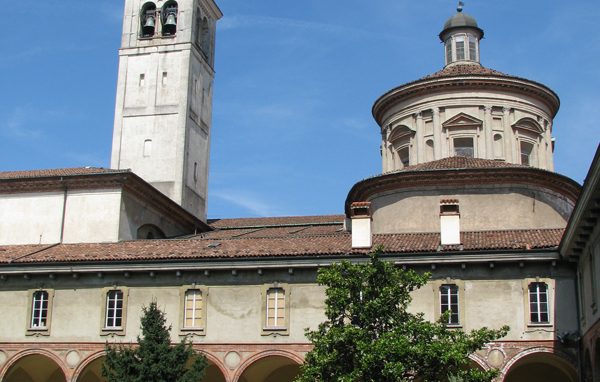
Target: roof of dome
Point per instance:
(461, 19)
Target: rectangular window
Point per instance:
(460, 48)
(464, 147)
(526, 153)
(538, 303)
(448, 51)
(114, 309)
(39, 310)
(275, 308)
(449, 302)
(193, 309)
(472, 48)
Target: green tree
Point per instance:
(369, 336)
(154, 359)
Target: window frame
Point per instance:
(473, 139)
(278, 329)
(197, 329)
(549, 301)
(113, 330)
(460, 294)
(39, 330)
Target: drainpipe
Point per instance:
(64, 211)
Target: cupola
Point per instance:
(461, 36)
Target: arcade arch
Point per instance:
(270, 368)
(541, 367)
(34, 368)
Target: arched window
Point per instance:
(498, 146)
(148, 20)
(149, 231)
(39, 309)
(169, 18)
(401, 139)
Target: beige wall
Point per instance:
(481, 208)
(234, 311)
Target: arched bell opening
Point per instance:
(274, 368)
(541, 367)
(148, 20)
(169, 18)
(34, 368)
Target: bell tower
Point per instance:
(164, 97)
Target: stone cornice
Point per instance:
(478, 82)
(478, 177)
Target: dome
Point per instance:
(460, 20)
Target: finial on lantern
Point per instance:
(460, 6)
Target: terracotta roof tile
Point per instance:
(335, 244)
(465, 70)
(275, 221)
(57, 172)
(460, 162)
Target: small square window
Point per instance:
(464, 147)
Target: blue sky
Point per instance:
(292, 126)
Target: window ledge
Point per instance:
(281, 331)
(540, 325)
(38, 331)
(192, 331)
(112, 332)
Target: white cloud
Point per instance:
(252, 203)
(18, 125)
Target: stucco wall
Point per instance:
(234, 310)
(481, 208)
(37, 218)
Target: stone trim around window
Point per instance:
(200, 329)
(113, 331)
(282, 329)
(550, 293)
(436, 285)
(39, 331)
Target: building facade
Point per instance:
(466, 192)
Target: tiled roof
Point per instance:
(465, 70)
(57, 172)
(337, 243)
(461, 162)
(275, 221)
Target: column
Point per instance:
(487, 133)
(509, 137)
(419, 140)
(384, 150)
(437, 134)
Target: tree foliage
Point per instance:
(154, 359)
(369, 336)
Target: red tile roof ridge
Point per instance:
(56, 172)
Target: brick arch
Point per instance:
(215, 361)
(15, 358)
(479, 361)
(264, 354)
(535, 351)
(86, 362)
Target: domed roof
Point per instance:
(460, 19)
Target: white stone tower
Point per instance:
(164, 96)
